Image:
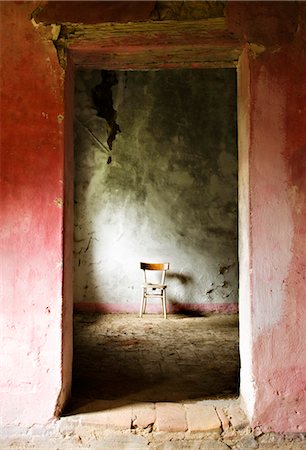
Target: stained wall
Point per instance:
(166, 192)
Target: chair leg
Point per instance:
(142, 303)
(164, 303)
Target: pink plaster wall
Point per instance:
(279, 237)
(31, 236)
(68, 226)
(277, 230)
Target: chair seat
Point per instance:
(154, 286)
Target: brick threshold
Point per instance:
(204, 416)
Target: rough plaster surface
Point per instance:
(247, 388)
(31, 191)
(170, 193)
(273, 229)
(279, 281)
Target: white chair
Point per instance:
(156, 289)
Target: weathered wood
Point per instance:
(154, 266)
(150, 45)
(106, 31)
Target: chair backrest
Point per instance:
(162, 267)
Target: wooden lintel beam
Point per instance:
(201, 43)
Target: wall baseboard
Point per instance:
(113, 308)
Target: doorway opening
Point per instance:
(155, 179)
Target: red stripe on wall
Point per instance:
(113, 308)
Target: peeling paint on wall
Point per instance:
(103, 101)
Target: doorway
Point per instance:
(166, 188)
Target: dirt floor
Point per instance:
(120, 356)
(152, 383)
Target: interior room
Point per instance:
(156, 180)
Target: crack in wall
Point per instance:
(94, 137)
(102, 96)
(51, 32)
